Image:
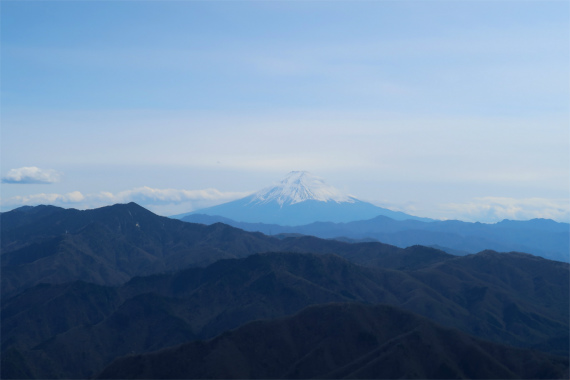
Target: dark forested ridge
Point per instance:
(84, 288)
(341, 341)
(110, 245)
(155, 312)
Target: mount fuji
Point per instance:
(300, 198)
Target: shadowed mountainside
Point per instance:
(150, 313)
(148, 283)
(110, 245)
(341, 341)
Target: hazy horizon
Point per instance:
(448, 110)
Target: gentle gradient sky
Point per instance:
(445, 109)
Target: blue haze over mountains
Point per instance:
(457, 107)
(82, 291)
(304, 204)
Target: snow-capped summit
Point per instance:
(300, 186)
(300, 198)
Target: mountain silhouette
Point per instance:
(83, 288)
(300, 198)
(110, 245)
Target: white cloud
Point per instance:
(74, 196)
(145, 196)
(148, 195)
(36, 199)
(494, 209)
(32, 174)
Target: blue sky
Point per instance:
(445, 109)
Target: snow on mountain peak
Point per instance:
(300, 186)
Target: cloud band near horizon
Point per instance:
(484, 209)
(144, 195)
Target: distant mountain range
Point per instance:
(304, 204)
(300, 198)
(542, 237)
(81, 289)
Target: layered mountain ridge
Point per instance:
(80, 289)
(110, 245)
(336, 341)
(513, 299)
(542, 237)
